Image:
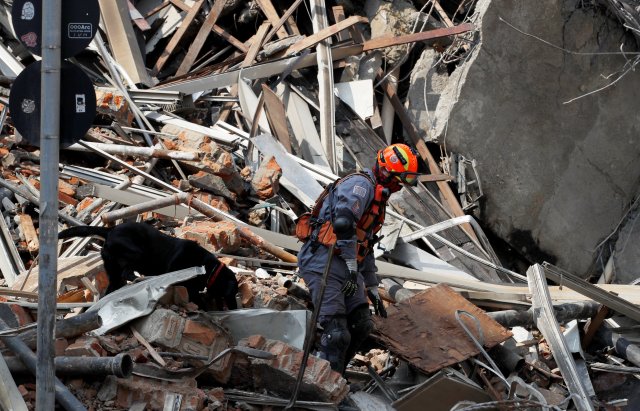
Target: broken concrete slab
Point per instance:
(543, 158)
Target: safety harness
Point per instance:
(310, 227)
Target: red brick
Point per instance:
(265, 182)
(21, 315)
(198, 332)
(255, 341)
(60, 345)
(85, 347)
(153, 392)
(277, 375)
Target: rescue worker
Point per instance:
(354, 206)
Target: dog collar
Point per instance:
(214, 275)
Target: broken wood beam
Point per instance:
(454, 206)
(277, 117)
(592, 325)
(157, 9)
(256, 45)
(324, 34)
(122, 39)
(339, 15)
(230, 39)
(216, 29)
(272, 15)
(287, 14)
(177, 37)
(201, 37)
(382, 42)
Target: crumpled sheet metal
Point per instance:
(137, 300)
(287, 326)
(423, 329)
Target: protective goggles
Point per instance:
(405, 177)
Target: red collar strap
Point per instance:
(214, 275)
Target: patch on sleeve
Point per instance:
(360, 191)
(356, 208)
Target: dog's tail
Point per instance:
(84, 231)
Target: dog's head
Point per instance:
(222, 287)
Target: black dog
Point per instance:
(130, 247)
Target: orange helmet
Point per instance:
(399, 161)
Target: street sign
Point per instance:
(80, 20)
(77, 103)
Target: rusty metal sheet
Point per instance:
(423, 329)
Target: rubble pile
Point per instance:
(216, 122)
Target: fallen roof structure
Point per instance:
(221, 122)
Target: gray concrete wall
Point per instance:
(557, 177)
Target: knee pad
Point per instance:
(334, 341)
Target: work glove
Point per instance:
(350, 286)
(378, 306)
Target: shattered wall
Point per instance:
(557, 175)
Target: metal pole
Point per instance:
(311, 330)
(49, 145)
(68, 401)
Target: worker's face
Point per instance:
(387, 180)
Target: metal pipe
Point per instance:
(138, 151)
(208, 211)
(509, 318)
(49, 146)
(33, 199)
(563, 313)
(625, 348)
(67, 328)
(61, 393)
(121, 366)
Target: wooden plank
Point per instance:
(443, 15)
(324, 34)
(452, 201)
(201, 37)
(232, 40)
(29, 232)
(152, 351)
(338, 16)
(256, 45)
(272, 15)
(277, 117)
(593, 325)
(216, 29)
(122, 39)
(389, 41)
(177, 36)
(141, 22)
(285, 18)
(157, 9)
(292, 26)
